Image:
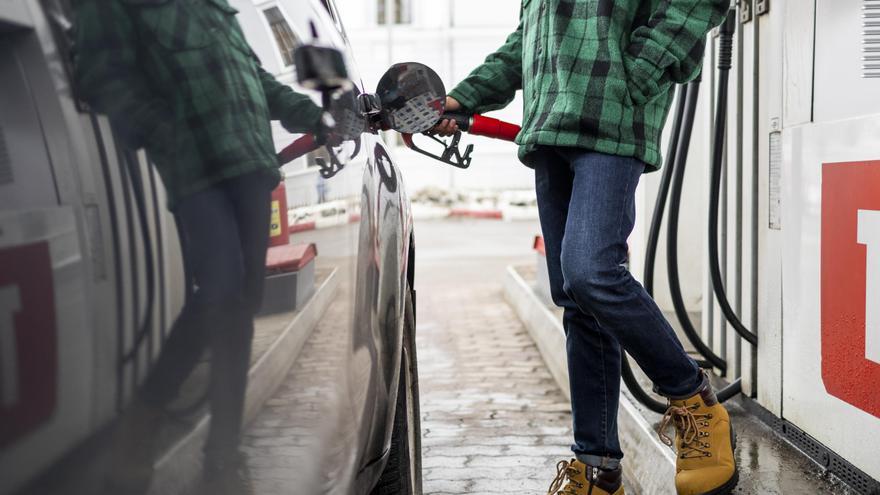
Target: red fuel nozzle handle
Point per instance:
(479, 125)
(298, 148)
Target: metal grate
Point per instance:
(871, 39)
(831, 463)
(6, 176)
(854, 477)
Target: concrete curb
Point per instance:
(180, 468)
(481, 214)
(649, 466)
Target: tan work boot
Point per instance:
(704, 442)
(585, 480)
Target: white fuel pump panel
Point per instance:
(44, 339)
(831, 228)
(847, 47)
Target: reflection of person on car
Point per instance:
(597, 78)
(178, 78)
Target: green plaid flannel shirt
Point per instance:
(178, 78)
(596, 74)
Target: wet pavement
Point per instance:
(279, 446)
(770, 465)
(494, 420)
(279, 456)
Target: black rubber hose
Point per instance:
(627, 374)
(681, 131)
(679, 159)
(663, 196)
(663, 192)
(724, 65)
(672, 232)
(117, 262)
(160, 253)
(140, 200)
(635, 388)
(729, 391)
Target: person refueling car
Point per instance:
(597, 77)
(178, 78)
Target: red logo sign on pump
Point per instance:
(28, 340)
(851, 283)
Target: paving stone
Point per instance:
(531, 485)
(451, 486)
(493, 418)
(444, 461)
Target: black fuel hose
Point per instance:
(673, 176)
(145, 329)
(678, 304)
(662, 197)
(635, 388)
(724, 65)
(725, 61)
(676, 157)
(627, 374)
(663, 191)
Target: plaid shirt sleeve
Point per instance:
(669, 48)
(107, 73)
(493, 84)
(297, 112)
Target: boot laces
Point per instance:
(564, 470)
(689, 428)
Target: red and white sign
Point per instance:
(28, 340)
(851, 283)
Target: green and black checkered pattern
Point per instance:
(596, 74)
(178, 77)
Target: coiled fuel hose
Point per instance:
(672, 178)
(725, 59)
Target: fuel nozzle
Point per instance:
(476, 125)
(451, 153)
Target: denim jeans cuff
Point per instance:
(703, 385)
(601, 462)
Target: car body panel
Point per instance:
(123, 271)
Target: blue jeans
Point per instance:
(224, 234)
(586, 202)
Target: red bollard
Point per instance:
(279, 230)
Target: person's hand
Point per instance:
(448, 127)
